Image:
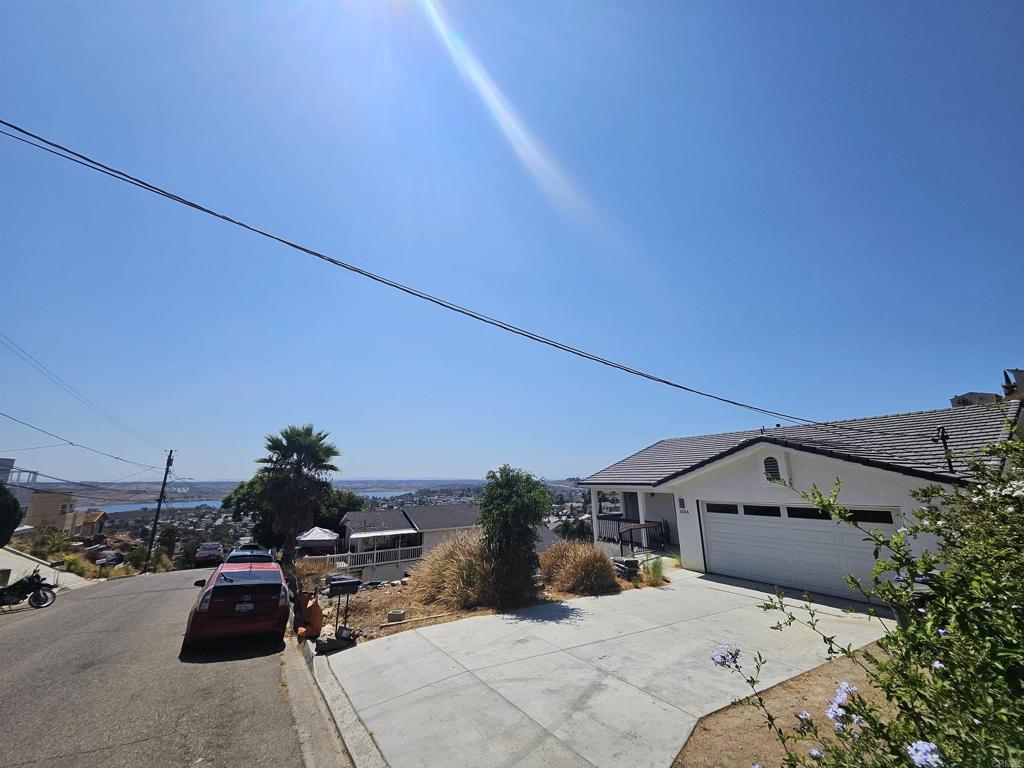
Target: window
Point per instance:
(722, 509)
(871, 516)
(762, 511)
(771, 468)
(64, 508)
(682, 502)
(806, 513)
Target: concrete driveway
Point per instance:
(603, 681)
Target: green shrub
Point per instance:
(653, 572)
(72, 564)
(455, 574)
(577, 567)
(48, 541)
(512, 504)
(136, 557)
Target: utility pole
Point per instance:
(159, 504)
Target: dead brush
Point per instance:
(455, 574)
(577, 567)
(308, 574)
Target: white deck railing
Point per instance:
(370, 557)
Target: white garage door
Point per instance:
(790, 546)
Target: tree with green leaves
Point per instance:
(576, 529)
(10, 515)
(512, 504)
(188, 543)
(167, 538)
(294, 480)
(337, 503)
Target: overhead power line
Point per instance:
(32, 447)
(105, 487)
(78, 445)
(26, 356)
(77, 495)
(66, 153)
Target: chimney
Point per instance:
(1013, 389)
(1013, 384)
(974, 398)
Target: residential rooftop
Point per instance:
(907, 443)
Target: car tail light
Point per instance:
(282, 599)
(204, 603)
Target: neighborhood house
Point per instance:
(381, 544)
(717, 495)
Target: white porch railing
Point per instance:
(370, 557)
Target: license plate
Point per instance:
(243, 607)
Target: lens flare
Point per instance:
(532, 155)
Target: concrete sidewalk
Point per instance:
(604, 681)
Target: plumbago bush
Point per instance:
(952, 669)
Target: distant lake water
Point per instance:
(188, 504)
(152, 505)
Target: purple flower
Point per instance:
(925, 754)
(725, 655)
(943, 632)
(938, 666)
(804, 715)
(815, 753)
(835, 709)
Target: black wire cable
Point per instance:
(95, 486)
(27, 357)
(32, 447)
(79, 495)
(79, 445)
(81, 159)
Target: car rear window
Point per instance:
(260, 576)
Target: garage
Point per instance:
(790, 546)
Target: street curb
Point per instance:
(357, 740)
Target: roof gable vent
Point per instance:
(771, 468)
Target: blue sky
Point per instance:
(816, 207)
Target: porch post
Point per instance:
(594, 507)
(641, 505)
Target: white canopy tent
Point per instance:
(317, 536)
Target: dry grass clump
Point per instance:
(455, 574)
(309, 573)
(551, 559)
(577, 567)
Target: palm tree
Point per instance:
(295, 479)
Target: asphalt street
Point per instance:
(96, 680)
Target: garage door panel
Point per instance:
(806, 554)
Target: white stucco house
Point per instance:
(711, 493)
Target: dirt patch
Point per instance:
(736, 735)
(368, 609)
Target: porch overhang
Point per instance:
(374, 534)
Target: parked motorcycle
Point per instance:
(32, 588)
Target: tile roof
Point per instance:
(899, 442)
(433, 517)
(362, 520)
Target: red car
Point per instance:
(240, 599)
